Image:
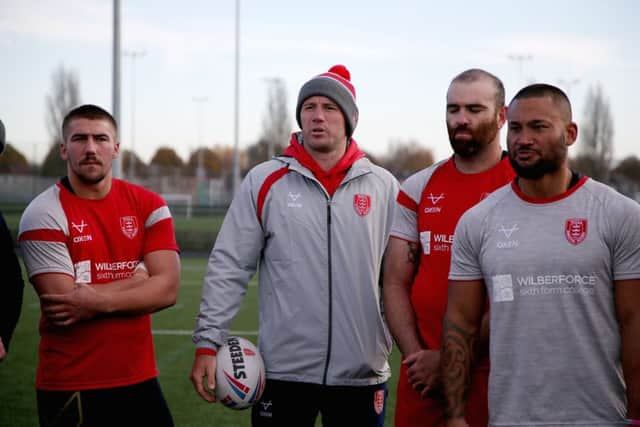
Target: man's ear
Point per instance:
(502, 116)
(571, 133)
(63, 151)
(116, 150)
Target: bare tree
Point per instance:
(596, 137)
(65, 95)
(406, 157)
(276, 123)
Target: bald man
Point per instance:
(557, 255)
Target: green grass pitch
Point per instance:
(174, 354)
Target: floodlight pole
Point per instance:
(133, 54)
(200, 100)
(520, 58)
(273, 84)
(115, 85)
(236, 153)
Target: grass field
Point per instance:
(174, 353)
(206, 223)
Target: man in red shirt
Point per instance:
(418, 253)
(102, 255)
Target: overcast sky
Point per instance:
(402, 56)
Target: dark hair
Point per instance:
(540, 90)
(87, 111)
(475, 74)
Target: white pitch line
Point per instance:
(198, 282)
(188, 332)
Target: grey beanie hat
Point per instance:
(336, 85)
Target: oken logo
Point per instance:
(79, 227)
(293, 201)
(507, 231)
(435, 199)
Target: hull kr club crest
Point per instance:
(129, 226)
(362, 204)
(575, 230)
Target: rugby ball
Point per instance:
(240, 377)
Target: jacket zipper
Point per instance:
(326, 363)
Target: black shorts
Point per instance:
(135, 405)
(286, 403)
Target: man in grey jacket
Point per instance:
(315, 221)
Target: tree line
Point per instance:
(594, 156)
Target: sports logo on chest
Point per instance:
(294, 200)
(80, 231)
(129, 226)
(80, 226)
(435, 199)
(505, 240)
(575, 230)
(362, 204)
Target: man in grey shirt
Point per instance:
(558, 257)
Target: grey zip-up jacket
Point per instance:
(319, 261)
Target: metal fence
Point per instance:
(211, 193)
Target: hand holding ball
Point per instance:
(240, 376)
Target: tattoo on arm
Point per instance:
(457, 356)
(413, 253)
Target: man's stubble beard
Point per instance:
(544, 165)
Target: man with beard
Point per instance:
(418, 254)
(83, 241)
(557, 255)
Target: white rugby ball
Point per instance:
(240, 377)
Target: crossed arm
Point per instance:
(65, 302)
(460, 337)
